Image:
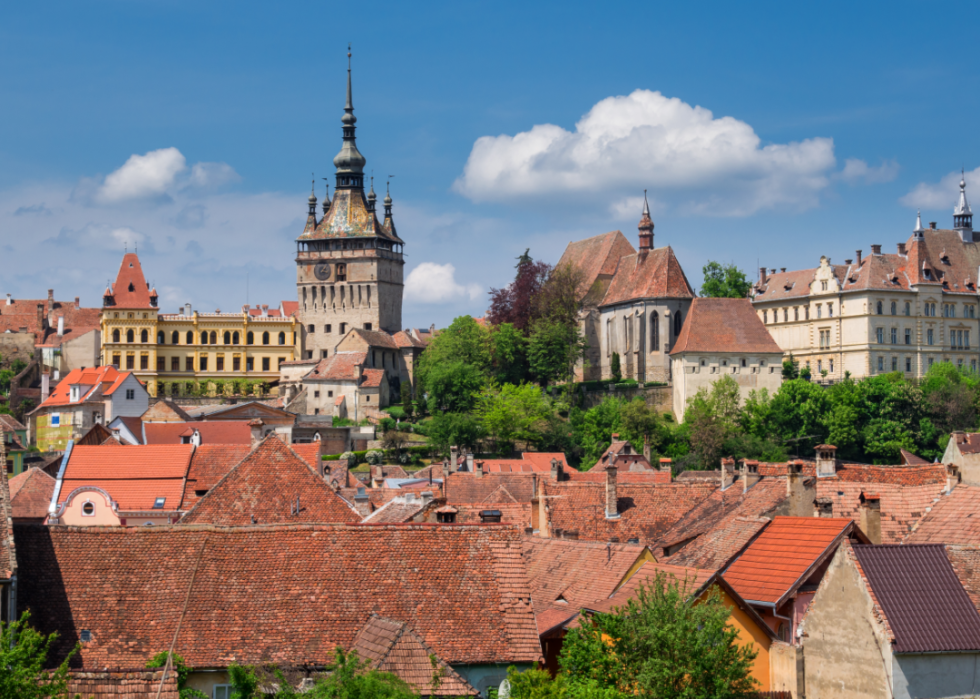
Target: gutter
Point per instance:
(53, 507)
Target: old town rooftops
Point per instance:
(21, 315)
(245, 594)
(724, 325)
(98, 382)
(953, 518)
(30, 494)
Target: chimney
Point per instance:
(557, 472)
(45, 386)
(478, 472)
(77, 304)
(646, 448)
(378, 474)
(453, 458)
(782, 269)
(469, 461)
(50, 300)
(256, 427)
(426, 497)
(8, 300)
(726, 464)
(772, 270)
(612, 502)
(870, 520)
(794, 474)
(543, 525)
(859, 258)
(932, 225)
(876, 249)
(750, 474)
(952, 477)
(265, 310)
(826, 460)
(666, 466)
(762, 275)
(901, 248)
(61, 326)
(196, 438)
(42, 321)
(847, 262)
(187, 310)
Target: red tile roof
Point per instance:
(518, 513)
(285, 595)
(491, 487)
(398, 510)
(404, 339)
(575, 573)
(130, 289)
(22, 314)
(30, 494)
(724, 325)
(597, 257)
(372, 378)
(953, 519)
(646, 511)
(343, 366)
(212, 432)
(901, 506)
(209, 464)
(780, 559)
(264, 489)
(100, 381)
(127, 684)
(691, 578)
(971, 445)
(715, 548)
(375, 338)
(541, 460)
(392, 646)
(134, 476)
(8, 423)
(289, 308)
(926, 606)
(648, 274)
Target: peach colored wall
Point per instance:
(104, 516)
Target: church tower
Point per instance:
(349, 265)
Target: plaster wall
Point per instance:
(118, 405)
(749, 633)
(103, 515)
(846, 651)
(969, 464)
(628, 330)
(83, 351)
(74, 421)
(693, 372)
(937, 675)
(17, 346)
(786, 669)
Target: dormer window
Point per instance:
(88, 509)
(75, 393)
(158, 503)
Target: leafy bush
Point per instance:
(396, 411)
(374, 457)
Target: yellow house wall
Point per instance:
(749, 632)
(139, 320)
(54, 438)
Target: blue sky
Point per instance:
(767, 133)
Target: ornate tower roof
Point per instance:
(962, 215)
(646, 226)
(389, 224)
(349, 161)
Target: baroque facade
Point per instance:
(190, 346)
(633, 303)
(901, 311)
(349, 265)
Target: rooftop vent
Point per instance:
(490, 516)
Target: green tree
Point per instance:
(24, 657)
(407, 405)
(352, 678)
(508, 352)
(538, 684)
(713, 416)
(512, 414)
(791, 368)
(453, 386)
(663, 644)
(592, 429)
(640, 423)
(724, 281)
(553, 350)
(447, 429)
(614, 367)
(178, 666)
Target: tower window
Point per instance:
(310, 328)
(367, 326)
(326, 328)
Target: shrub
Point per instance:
(396, 411)
(374, 457)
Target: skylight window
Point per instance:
(158, 503)
(85, 635)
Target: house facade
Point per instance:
(168, 350)
(886, 312)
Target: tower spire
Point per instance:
(349, 161)
(918, 231)
(646, 226)
(962, 215)
(326, 196)
(371, 197)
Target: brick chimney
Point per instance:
(542, 525)
(469, 461)
(478, 469)
(876, 249)
(42, 320)
(727, 464)
(859, 258)
(901, 248)
(50, 301)
(952, 477)
(612, 502)
(77, 304)
(453, 458)
(256, 426)
(666, 466)
(557, 472)
(762, 275)
(826, 460)
(750, 474)
(870, 519)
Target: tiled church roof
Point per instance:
(648, 274)
(724, 325)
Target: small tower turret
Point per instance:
(918, 233)
(962, 215)
(646, 226)
(372, 198)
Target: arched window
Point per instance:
(190, 338)
(204, 338)
(175, 338)
(265, 338)
(655, 332)
(144, 336)
(282, 338)
(250, 338)
(227, 337)
(160, 338)
(115, 335)
(879, 308)
(129, 336)
(234, 338)
(677, 323)
(214, 337)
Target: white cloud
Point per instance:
(646, 140)
(143, 176)
(210, 175)
(859, 172)
(435, 283)
(943, 194)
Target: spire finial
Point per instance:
(349, 107)
(349, 161)
(646, 205)
(646, 226)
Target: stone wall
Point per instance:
(786, 669)
(16, 346)
(659, 397)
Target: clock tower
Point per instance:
(349, 265)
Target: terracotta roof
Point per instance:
(392, 646)
(22, 315)
(575, 573)
(264, 489)
(909, 475)
(30, 494)
(648, 274)
(953, 519)
(518, 513)
(165, 411)
(7, 550)
(122, 684)
(901, 506)
(715, 548)
(130, 289)
(780, 559)
(403, 339)
(289, 308)
(724, 325)
(216, 432)
(926, 606)
(723, 506)
(285, 595)
(397, 510)
(971, 445)
(372, 378)
(209, 464)
(375, 338)
(8, 423)
(134, 476)
(100, 381)
(694, 578)
(310, 453)
(597, 257)
(541, 460)
(645, 476)
(910, 459)
(491, 487)
(342, 366)
(646, 511)
(135, 426)
(626, 458)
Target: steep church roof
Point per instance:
(597, 258)
(130, 289)
(648, 274)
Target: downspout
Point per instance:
(840, 331)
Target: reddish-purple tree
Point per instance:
(515, 302)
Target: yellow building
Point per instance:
(169, 351)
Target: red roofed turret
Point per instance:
(130, 289)
(646, 226)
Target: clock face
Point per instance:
(322, 271)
